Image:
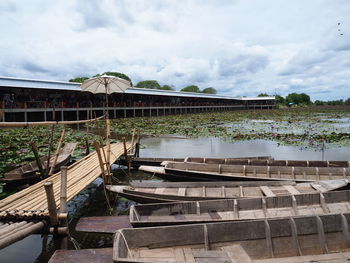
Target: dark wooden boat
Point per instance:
(29, 173)
(181, 171)
(239, 209)
(322, 238)
(160, 192)
(138, 161)
(257, 160)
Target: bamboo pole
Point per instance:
(49, 150)
(63, 206)
(63, 195)
(51, 203)
(37, 159)
(44, 123)
(97, 148)
(18, 235)
(87, 144)
(58, 151)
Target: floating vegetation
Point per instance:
(306, 127)
(15, 149)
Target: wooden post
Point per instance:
(133, 137)
(87, 144)
(51, 203)
(125, 150)
(37, 159)
(137, 146)
(57, 151)
(105, 174)
(63, 194)
(63, 205)
(49, 149)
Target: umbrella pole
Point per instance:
(108, 137)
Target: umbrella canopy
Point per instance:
(105, 84)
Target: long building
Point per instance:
(44, 100)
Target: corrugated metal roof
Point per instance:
(38, 84)
(64, 85)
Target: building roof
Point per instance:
(71, 86)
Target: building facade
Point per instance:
(27, 100)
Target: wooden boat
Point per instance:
(160, 192)
(322, 238)
(181, 171)
(138, 161)
(29, 173)
(239, 209)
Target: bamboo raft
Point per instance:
(181, 171)
(31, 202)
(239, 209)
(294, 239)
(159, 192)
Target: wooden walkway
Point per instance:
(31, 202)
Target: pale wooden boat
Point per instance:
(239, 209)
(138, 161)
(160, 192)
(181, 171)
(29, 173)
(322, 238)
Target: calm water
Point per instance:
(91, 201)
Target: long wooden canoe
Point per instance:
(257, 160)
(160, 192)
(239, 209)
(29, 173)
(181, 171)
(322, 238)
(138, 161)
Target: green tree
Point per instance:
(347, 102)
(319, 103)
(167, 87)
(115, 74)
(280, 100)
(78, 79)
(148, 84)
(296, 98)
(263, 95)
(192, 88)
(209, 90)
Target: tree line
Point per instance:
(149, 84)
(304, 99)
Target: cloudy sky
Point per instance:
(239, 47)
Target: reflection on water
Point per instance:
(92, 203)
(215, 147)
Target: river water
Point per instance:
(91, 201)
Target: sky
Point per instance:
(239, 47)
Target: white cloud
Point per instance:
(239, 47)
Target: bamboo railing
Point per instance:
(44, 123)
